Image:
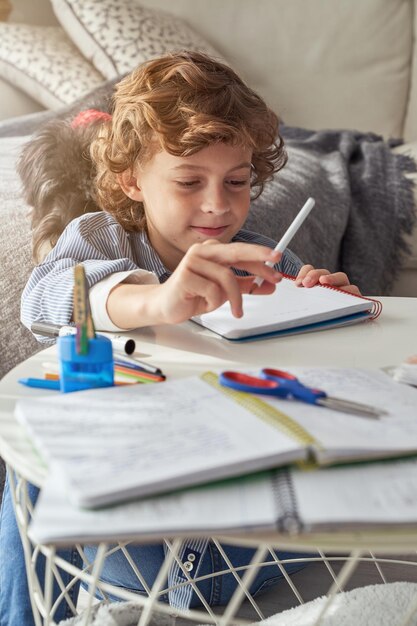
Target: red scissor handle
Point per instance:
(250, 381)
(268, 371)
(276, 383)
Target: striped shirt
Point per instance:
(108, 252)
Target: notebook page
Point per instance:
(376, 494)
(288, 307)
(235, 504)
(121, 442)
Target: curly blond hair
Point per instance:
(180, 102)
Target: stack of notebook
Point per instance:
(131, 445)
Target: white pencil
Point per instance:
(288, 235)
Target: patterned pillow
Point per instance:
(118, 35)
(43, 62)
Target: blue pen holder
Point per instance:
(85, 371)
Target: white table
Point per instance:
(188, 349)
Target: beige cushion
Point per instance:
(117, 35)
(43, 62)
(319, 63)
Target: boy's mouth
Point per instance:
(210, 232)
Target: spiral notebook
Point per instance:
(114, 444)
(378, 496)
(290, 310)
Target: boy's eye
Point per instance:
(238, 183)
(187, 183)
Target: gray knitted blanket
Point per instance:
(364, 204)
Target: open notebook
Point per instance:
(378, 496)
(290, 310)
(122, 442)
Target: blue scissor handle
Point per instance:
(252, 384)
(293, 385)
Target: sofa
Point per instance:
(323, 65)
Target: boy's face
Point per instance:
(191, 199)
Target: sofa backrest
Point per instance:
(318, 63)
(410, 123)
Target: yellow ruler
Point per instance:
(265, 412)
(82, 312)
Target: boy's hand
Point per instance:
(203, 280)
(308, 277)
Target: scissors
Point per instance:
(279, 383)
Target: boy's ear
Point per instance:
(129, 184)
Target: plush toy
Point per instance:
(57, 174)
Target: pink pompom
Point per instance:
(84, 118)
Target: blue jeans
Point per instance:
(15, 608)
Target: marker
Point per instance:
(47, 329)
(41, 383)
(120, 342)
(288, 235)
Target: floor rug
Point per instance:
(373, 605)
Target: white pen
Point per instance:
(288, 235)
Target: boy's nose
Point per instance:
(216, 202)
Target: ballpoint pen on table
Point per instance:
(288, 235)
(136, 364)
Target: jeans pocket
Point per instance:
(266, 579)
(265, 585)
